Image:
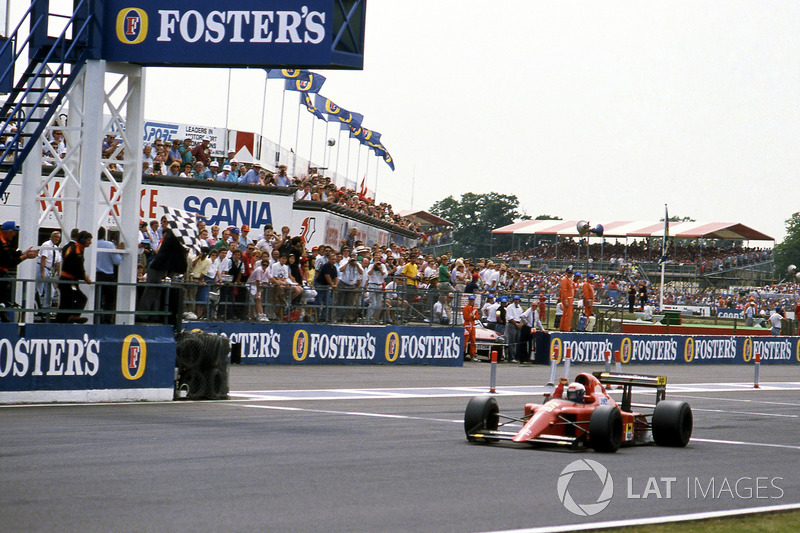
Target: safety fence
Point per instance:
(170, 302)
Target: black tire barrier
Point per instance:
(217, 384)
(202, 364)
(197, 384)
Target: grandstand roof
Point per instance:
(620, 229)
(424, 218)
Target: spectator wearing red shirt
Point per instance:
(202, 152)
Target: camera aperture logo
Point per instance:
(585, 509)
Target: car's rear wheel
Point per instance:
(605, 429)
(672, 423)
(482, 414)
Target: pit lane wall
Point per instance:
(313, 344)
(677, 349)
(75, 363)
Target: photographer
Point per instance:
(350, 273)
(376, 275)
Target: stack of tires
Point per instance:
(202, 365)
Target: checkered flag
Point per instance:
(183, 225)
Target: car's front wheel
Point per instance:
(605, 429)
(482, 414)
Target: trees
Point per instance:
(788, 252)
(475, 216)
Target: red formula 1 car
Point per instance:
(583, 414)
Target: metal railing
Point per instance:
(172, 302)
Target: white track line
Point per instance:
(349, 413)
(456, 392)
(742, 443)
(406, 417)
(655, 520)
(744, 413)
(721, 399)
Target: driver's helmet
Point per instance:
(575, 392)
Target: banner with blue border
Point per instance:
(67, 357)
(678, 349)
(281, 343)
(205, 33)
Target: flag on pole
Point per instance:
(311, 108)
(388, 158)
(362, 193)
(337, 114)
(327, 106)
(287, 73)
(311, 83)
(369, 135)
(665, 242)
(183, 225)
(349, 120)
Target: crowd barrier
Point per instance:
(74, 363)
(673, 349)
(309, 344)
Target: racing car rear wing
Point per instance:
(628, 381)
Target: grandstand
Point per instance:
(702, 254)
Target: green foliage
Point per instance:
(475, 216)
(788, 252)
(547, 217)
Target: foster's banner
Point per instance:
(205, 33)
(65, 362)
(310, 344)
(678, 349)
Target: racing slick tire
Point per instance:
(672, 423)
(605, 429)
(482, 414)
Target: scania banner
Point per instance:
(206, 33)
(323, 344)
(61, 362)
(680, 349)
(218, 206)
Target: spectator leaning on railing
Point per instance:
(9, 259)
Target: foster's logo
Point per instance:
(131, 25)
(332, 108)
(625, 350)
(688, 350)
(134, 357)
(300, 345)
(747, 350)
(556, 348)
(392, 347)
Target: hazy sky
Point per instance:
(600, 110)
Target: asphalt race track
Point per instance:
(381, 448)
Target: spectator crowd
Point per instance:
(708, 256)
